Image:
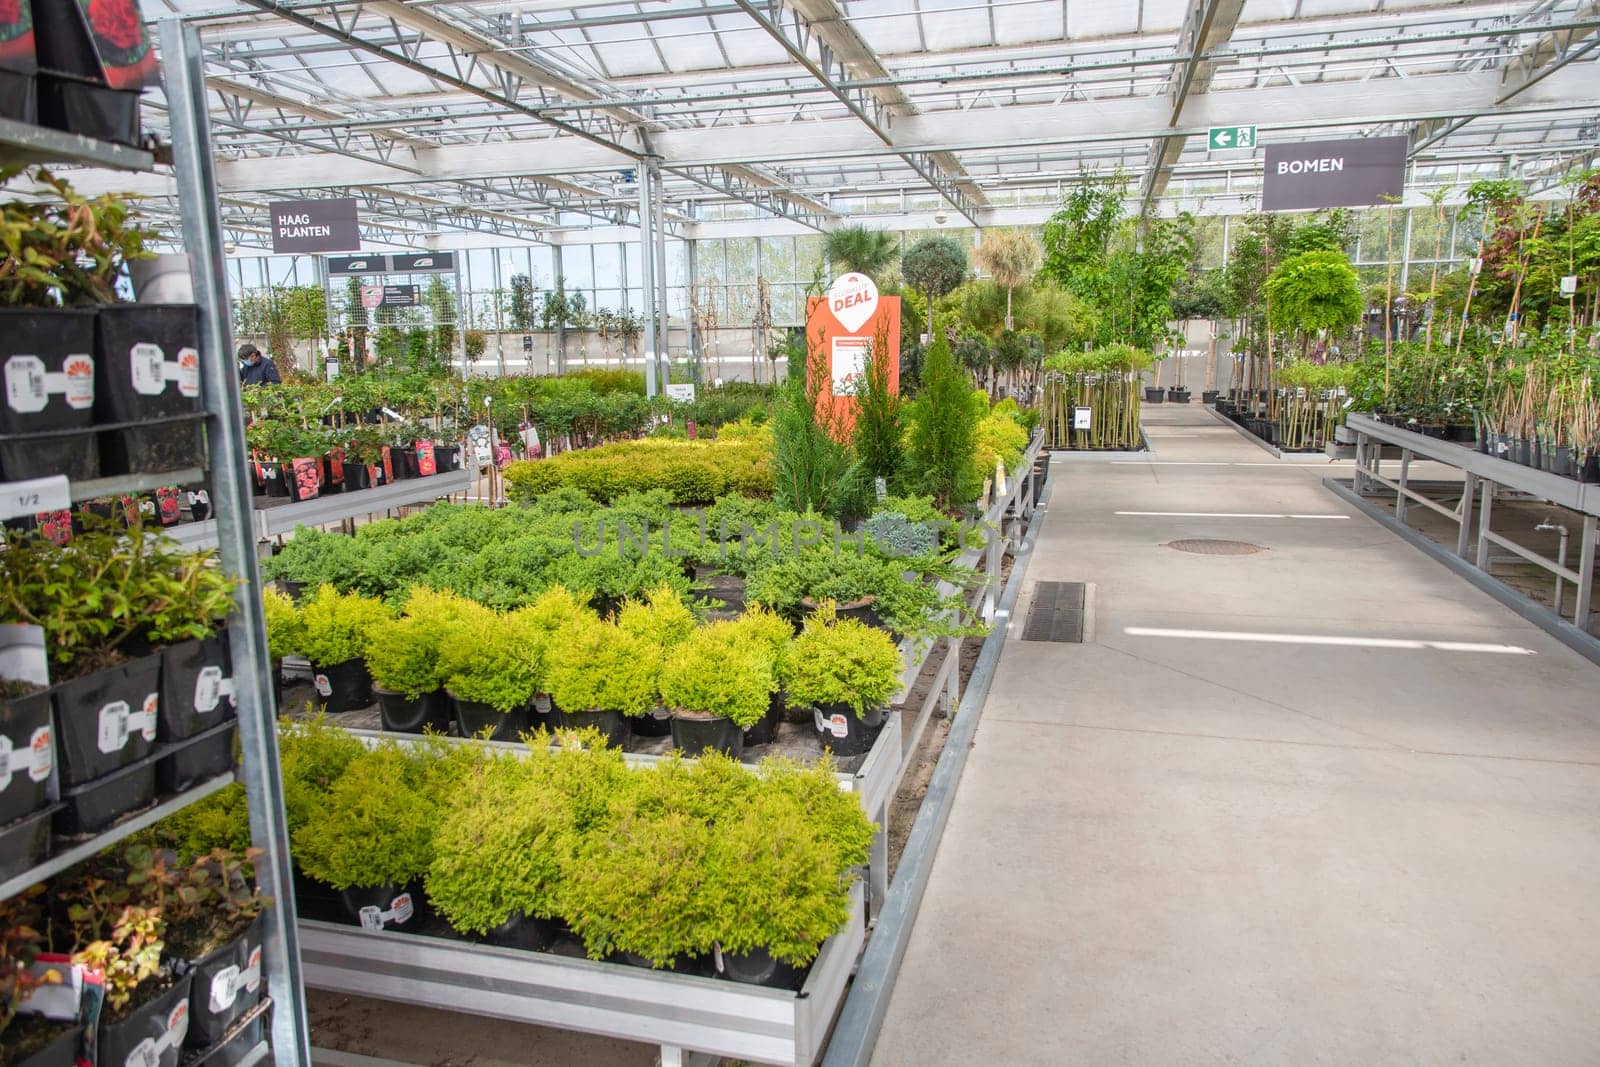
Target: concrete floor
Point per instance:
(1177, 849)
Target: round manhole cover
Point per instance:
(1207, 546)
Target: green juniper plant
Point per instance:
(597, 667)
(843, 661)
(337, 625)
(495, 660)
(373, 827)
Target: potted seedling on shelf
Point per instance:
(28, 1037)
(847, 672)
(492, 669)
(370, 837)
(336, 630)
(602, 677)
(718, 684)
(663, 619)
(30, 754)
(363, 454)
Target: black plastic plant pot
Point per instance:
(342, 686)
(402, 715)
(474, 718)
(58, 1051)
(19, 100)
(1153, 395)
(185, 764)
(80, 106)
(152, 1035)
(107, 720)
(383, 907)
(27, 755)
(47, 361)
(227, 984)
(657, 722)
(196, 688)
(317, 900)
(357, 476)
(523, 932)
(90, 808)
(613, 724)
(840, 729)
(272, 480)
(758, 967)
(692, 736)
(1209, 396)
(25, 843)
(149, 361)
(447, 457)
(239, 1048)
(766, 731)
(542, 714)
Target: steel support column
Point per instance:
(647, 278)
(1580, 617)
(1469, 489)
(658, 189)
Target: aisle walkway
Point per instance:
(1322, 804)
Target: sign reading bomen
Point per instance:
(1355, 173)
(315, 225)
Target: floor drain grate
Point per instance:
(1056, 613)
(1207, 546)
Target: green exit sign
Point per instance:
(1226, 137)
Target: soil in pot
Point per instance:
(196, 687)
(522, 932)
(766, 731)
(96, 805)
(185, 764)
(613, 724)
(694, 734)
(107, 719)
(27, 754)
(227, 983)
(26, 842)
(840, 729)
(151, 1034)
(401, 715)
(758, 967)
(654, 723)
(34, 1041)
(383, 907)
(473, 718)
(342, 686)
(149, 363)
(47, 360)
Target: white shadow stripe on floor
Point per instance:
(1226, 515)
(1328, 639)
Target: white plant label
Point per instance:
(35, 760)
(29, 386)
(853, 298)
(399, 911)
(324, 686)
(118, 723)
(1083, 418)
(835, 724)
(152, 370)
(148, 1052)
(228, 982)
(210, 688)
(849, 364)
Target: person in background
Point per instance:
(255, 368)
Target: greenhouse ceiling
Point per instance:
(460, 124)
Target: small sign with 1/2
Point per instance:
(1224, 138)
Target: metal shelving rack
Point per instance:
(27, 144)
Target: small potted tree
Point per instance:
(718, 683)
(602, 677)
(847, 671)
(28, 1037)
(337, 628)
(370, 837)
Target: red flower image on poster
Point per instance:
(119, 35)
(16, 36)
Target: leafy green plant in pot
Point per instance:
(662, 618)
(718, 684)
(492, 668)
(600, 676)
(337, 628)
(371, 838)
(406, 660)
(27, 1037)
(498, 851)
(847, 671)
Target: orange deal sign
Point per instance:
(846, 330)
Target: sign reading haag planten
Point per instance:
(1317, 174)
(316, 225)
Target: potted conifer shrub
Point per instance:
(772, 634)
(847, 671)
(285, 636)
(602, 677)
(336, 630)
(663, 619)
(718, 684)
(492, 674)
(553, 614)
(370, 837)
(406, 659)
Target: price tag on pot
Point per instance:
(399, 911)
(118, 723)
(834, 724)
(210, 687)
(29, 386)
(148, 1052)
(228, 982)
(35, 760)
(324, 687)
(152, 370)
